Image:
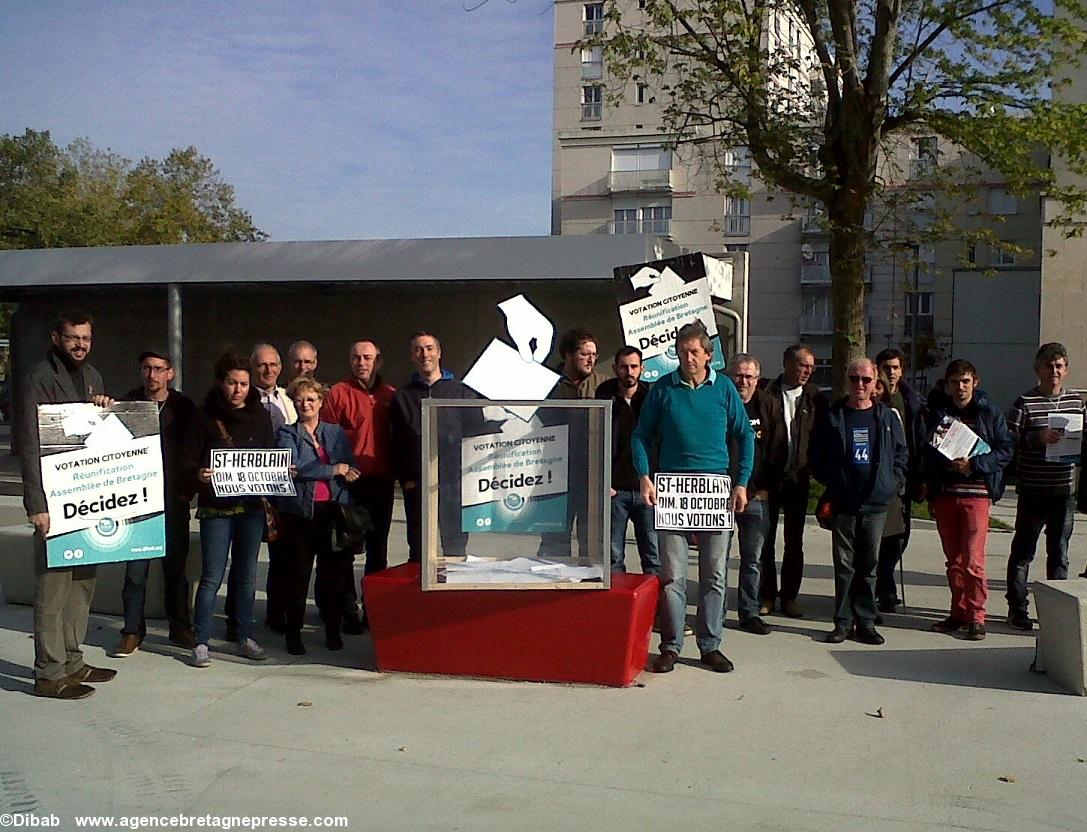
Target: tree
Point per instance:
(821, 114)
(53, 197)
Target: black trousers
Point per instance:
(792, 502)
(890, 553)
(374, 494)
(454, 541)
(175, 582)
(303, 541)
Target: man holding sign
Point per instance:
(960, 488)
(694, 412)
(62, 596)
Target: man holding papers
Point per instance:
(968, 448)
(1044, 422)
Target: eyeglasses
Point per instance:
(76, 339)
(862, 379)
(744, 377)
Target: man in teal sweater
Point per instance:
(694, 413)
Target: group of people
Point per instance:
(873, 452)
(353, 441)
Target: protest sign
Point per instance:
(693, 502)
(657, 298)
(102, 476)
(251, 472)
(515, 484)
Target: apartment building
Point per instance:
(616, 172)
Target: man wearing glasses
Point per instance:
(176, 413)
(62, 596)
(859, 453)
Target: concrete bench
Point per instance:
(17, 574)
(1062, 638)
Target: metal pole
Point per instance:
(173, 315)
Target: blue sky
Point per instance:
(333, 120)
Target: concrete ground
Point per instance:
(927, 732)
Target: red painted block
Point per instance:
(597, 637)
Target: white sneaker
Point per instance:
(251, 650)
(200, 657)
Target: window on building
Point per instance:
(592, 103)
(923, 150)
(737, 215)
(592, 63)
(919, 316)
(647, 219)
(823, 374)
(972, 254)
(593, 14)
(1004, 257)
(1002, 202)
(738, 162)
(642, 96)
(641, 157)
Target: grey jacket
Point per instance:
(49, 383)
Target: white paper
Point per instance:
(251, 472)
(954, 439)
(519, 571)
(110, 431)
(500, 373)
(1067, 449)
(693, 502)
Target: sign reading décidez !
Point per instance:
(251, 472)
(693, 502)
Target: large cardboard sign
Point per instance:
(102, 476)
(251, 472)
(659, 297)
(515, 483)
(693, 502)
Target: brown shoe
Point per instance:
(92, 674)
(766, 607)
(791, 609)
(975, 632)
(128, 645)
(948, 625)
(717, 661)
(183, 638)
(61, 689)
(665, 662)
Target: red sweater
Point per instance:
(364, 416)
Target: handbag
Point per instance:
(272, 523)
(349, 527)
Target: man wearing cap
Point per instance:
(176, 413)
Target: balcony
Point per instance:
(658, 227)
(824, 324)
(812, 224)
(634, 181)
(736, 226)
(815, 274)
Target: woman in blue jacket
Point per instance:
(324, 463)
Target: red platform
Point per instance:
(598, 637)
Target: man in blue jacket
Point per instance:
(960, 490)
(859, 453)
(695, 413)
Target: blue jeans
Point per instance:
(751, 528)
(1033, 512)
(712, 583)
(629, 505)
(239, 537)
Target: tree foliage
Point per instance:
(79, 195)
(820, 112)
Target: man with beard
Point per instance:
(578, 351)
(360, 405)
(176, 413)
(627, 393)
(62, 596)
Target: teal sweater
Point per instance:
(694, 426)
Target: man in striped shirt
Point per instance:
(1045, 489)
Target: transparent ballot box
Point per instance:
(516, 494)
